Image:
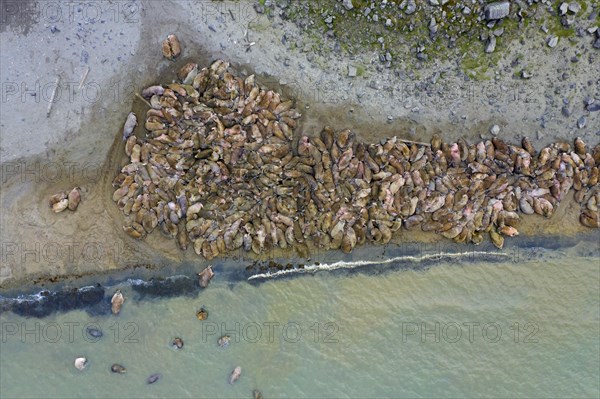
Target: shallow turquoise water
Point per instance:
(514, 329)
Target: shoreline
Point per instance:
(416, 255)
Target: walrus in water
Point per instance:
(205, 276)
(117, 301)
(80, 363)
(256, 394)
(153, 378)
(117, 368)
(235, 374)
(177, 343)
(202, 314)
(224, 341)
(94, 332)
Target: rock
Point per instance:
(494, 130)
(497, 10)
(562, 9)
(574, 7)
(526, 75)
(581, 122)
(348, 4)
(352, 71)
(593, 107)
(565, 111)
(411, 7)
(466, 10)
(597, 44)
(552, 41)
(491, 44)
(388, 57)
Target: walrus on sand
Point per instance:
(205, 276)
(117, 301)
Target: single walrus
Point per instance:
(256, 394)
(235, 374)
(202, 314)
(177, 343)
(117, 301)
(80, 363)
(224, 341)
(205, 276)
(94, 332)
(117, 368)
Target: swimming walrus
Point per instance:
(80, 363)
(117, 301)
(153, 378)
(117, 368)
(177, 343)
(205, 276)
(235, 374)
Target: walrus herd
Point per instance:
(220, 168)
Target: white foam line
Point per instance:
(350, 265)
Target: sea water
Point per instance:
(480, 328)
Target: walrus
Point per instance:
(80, 363)
(117, 368)
(202, 314)
(153, 378)
(117, 301)
(94, 332)
(235, 374)
(256, 394)
(205, 276)
(177, 343)
(224, 341)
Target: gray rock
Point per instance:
(526, 75)
(597, 44)
(352, 71)
(494, 130)
(581, 122)
(348, 4)
(565, 111)
(552, 41)
(497, 10)
(593, 107)
(388, 57)
(411, 7)
(466, 10)
(562, 9)
(491, 44)
(574, 7)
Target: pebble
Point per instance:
(593, 107)
(352, 71)
(495, 130)
(411, 7)
(497, 10)
(526, 75)
(563, 8)
(552, 41)
(491, 44)
(348, 4)
(581, 122)
(574, 7)
(565, 111)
